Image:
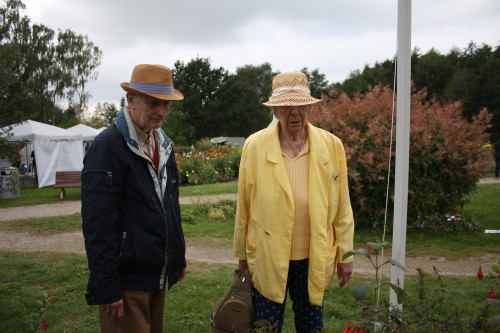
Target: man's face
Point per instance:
(147, 112)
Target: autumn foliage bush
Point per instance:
(447, 157)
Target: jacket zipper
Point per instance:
(124, 238)
(165, 265)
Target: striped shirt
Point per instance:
(298, 176)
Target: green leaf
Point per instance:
(400, 293)
(395, 263)
(363, 252)
(376, 246)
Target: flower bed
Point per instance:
(208, 163)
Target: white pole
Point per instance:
(402, 144)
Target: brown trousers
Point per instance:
(143, 313)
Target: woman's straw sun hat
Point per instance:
(154, 81)
(291, 89)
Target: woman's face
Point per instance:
(293, 119)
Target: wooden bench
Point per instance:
(67, 179)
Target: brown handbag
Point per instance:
(235, 311)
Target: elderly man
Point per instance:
(130, 209)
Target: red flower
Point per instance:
(369, 248)
(492, 294)
(480, 273)
(352, 328)
(45, 325)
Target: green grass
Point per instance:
(30, 196)
(219, 188)
(25, 277)
(485, 205)
(45, 225)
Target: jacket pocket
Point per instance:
(126, 254)
(97, 180)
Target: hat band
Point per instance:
(152, 88)
(286, 89)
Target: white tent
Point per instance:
(56, 149)
(88, 133)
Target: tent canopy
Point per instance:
(56, 149)
(32, 130)
(88, 133)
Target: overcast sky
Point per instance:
(334, 36)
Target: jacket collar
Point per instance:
(124, 123)
(317, 146)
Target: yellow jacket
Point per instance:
(265, 212)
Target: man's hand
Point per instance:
(182, 274)
(344, 272)
(115, 310)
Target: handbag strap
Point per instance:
(243, 280)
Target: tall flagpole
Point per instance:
(402, 144)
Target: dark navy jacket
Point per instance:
(131, 215)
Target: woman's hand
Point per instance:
(344, 272)
(242, 265)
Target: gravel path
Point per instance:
(197, 250)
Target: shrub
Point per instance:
(222, 211)
(447, 156)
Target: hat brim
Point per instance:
(176, 96)
(292, 99)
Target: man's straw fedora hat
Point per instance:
(154, 81)
(291, 89)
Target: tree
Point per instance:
(317, 82)
(242, 112)
(471, 75)
(77, 58)
(104, 115)
(433, 71)
(14, 42)
(477, 82)
(35, 73)
(201, 85)
(41, 64)
(361, 82)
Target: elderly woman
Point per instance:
(294, 219)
